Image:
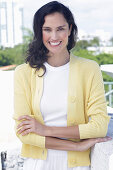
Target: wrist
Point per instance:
(77, 146)
(47, 131)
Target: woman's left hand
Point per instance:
(29, 125)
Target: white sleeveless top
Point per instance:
(53, 107)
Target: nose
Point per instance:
(54, 35)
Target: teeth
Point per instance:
(52, 43)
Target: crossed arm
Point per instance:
(52, 135)
(32, 125)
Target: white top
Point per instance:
(53, 107)
(54, 99)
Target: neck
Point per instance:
(57, 60)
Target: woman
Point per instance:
(59, 98)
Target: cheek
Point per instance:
(64, 35)
(45, 36)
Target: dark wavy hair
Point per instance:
(37, 52)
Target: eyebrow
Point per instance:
(57, 27)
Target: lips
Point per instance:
(55, 43)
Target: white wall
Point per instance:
(8, 138)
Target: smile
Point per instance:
(55, 43)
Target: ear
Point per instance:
(70, 29)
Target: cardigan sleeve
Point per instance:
(96, 107)
(22, 106)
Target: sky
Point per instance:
(93, 17)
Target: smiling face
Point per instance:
(55, 32)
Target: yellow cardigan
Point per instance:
(86, 100)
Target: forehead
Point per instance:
(54, 20)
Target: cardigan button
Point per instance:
(73, 161)
(72, 99)
(73, 122)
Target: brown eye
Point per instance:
(60, 29)
(47, 30)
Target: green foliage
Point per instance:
(82, 44)
(17, 54)
(5, 58)
(10, 56)
(95, 42)
(27, 38)
(106, 77)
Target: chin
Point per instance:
(57, 51)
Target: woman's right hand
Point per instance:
(88, 143)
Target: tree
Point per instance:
(95, 42)
(82, 44)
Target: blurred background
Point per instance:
(95, 41)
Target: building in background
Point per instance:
(11, 23)
(101, 49)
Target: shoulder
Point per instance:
(85, 64)
(23, 69)
(23, 73)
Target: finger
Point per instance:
(26, 132)
(25, 117)
(23, 129)
(104, 139)
(23, 123)
(108, 137)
